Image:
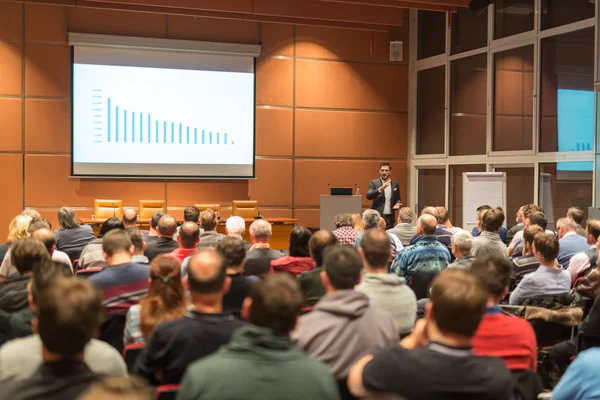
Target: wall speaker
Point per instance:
(396, 50)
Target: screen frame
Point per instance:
(154, 177)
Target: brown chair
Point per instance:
(245, 208)
(108, 208)
(215, 207)
(148, 207)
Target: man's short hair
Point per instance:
(342, 266)
(235, 224)
(135, 236)
(119, 388)
(208, 219)
(211, 274)
(566, 223)
(547, 245)
(130, 216)
(530, 232)
(492, 219)
(318, 242)
(155, 218)
(276, 303)
(529, 209)
(484, 207)
(37, 224)
(25, 253)
(47, 237)
(442, 214)
(576, 214)
(189, 232)
(191, 214)
(406, 215)
(385, 164)
(593, 228)
(261, 229)
(375, 245)
(458, 301)
(538, 218)
(370, 218)
(116, 241)
(495, 273)
(233, 250)
(342, 220)
(110, 224)
(463, 241)
(44, 274)
(428, 223)
(167, 225)
(69, 312)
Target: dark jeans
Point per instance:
(560, 358)
(389, 220)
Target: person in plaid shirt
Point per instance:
(345, 232)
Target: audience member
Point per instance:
(263, 354)
(488, 242)
(510, 234)
(310, 282)
(151, 235)
(372, 220)
(549, 278)
(188, 239)
(528, 262)
(478, 229)
(436, 360)
(444, 219)
(358, 222)
(119, 388)
(190, 214)
(235, 227)
(176, 344)
(40, 232)
(167, 225)
(580, 381)
(130, 218)
(462, 244)
(123, 283)
(210, 236)
(343, 325)
(442, 235)
(20, 358)
(385, 291)
(260, 255)
(299, 259)
(69, 315)
(576, 214)
(91, 256)
(426, 255)
(582, 262)
(500, 335)
(165, 301)
(570, 242)
(139, 246)
(517, 240)
(404, 229)
(17, 230)
(71, 237)
(344, 229)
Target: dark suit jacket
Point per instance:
(162, 245)
(378, 199)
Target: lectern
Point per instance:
(334, 205)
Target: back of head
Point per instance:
(233, 251)
(406, 215)
(25, 253)
(375, 245)
(167, 225)
(119, 388)
(299, 238)
(428, 223)
(547, 245)
(206, 272)
(458, 301)
(342, 220)
(342, 266)
(135, 236)
(492, 220)
(109, 225)
(67, 218)
(235, 225)
(529, 209)
(189, 232)
(317, 244)
(208, 219)
(538, 218)
(17, 229)
(358, 222)
(433, 212)
(33, 214)
(47, 237)
(463, 241)
(530, 232)
(116, 241)
(191, 214)
(567, 224)
(38, 223)
(576, 214)
(370, 219)
(155, 218)
(593, 228)
(443, 214)
(69, 315)
(130, 217)
(276, 303)
(482, 210)
(46, 272)
(261, 229)
(495, 274)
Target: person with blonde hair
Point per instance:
(358, 222)
(17, 229)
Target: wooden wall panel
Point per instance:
(274, 132)
(277, 40)
(274, 82)
(11, 118)
(45, 23)
(11, 68)
(309, 217)
(273, 183)
(48, 126)
(213, 30)
(11, 21)
(47, 70)
(11, 200)
(88, 20)
(206, 191)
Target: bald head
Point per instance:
(189, 234)
(129, 218)
(431, 211)
(375, 250)
(426, 224)
(47, 237)
(206, 272)
(167, 225)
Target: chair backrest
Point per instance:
(215, 207)
(420, 284)
(86, 273)
(146, 208)
(111, 330)
(131, 352)
(244, 208)
(108, 208)
(167, 392)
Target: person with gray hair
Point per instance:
(344, 229)
(236, 226)
(404, 230)
(569, 241)
(371, 219)
(260, 255)
(462, 243)
(71, 237)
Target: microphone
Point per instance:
(329, 188)
(259, 216)
(114, 209)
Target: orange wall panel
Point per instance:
(509, 92)
(221, 192)
(277, 40)
(48, 126)
(213, 30)
(273, 183)
(47, 70)
(45, 23)
(12, 179)
(309, 217)
(350, 134)
(269, 212)
(274, 132)
(88, 20)
(11, 20)
(11, 118)
(11, 68)
(274, 82)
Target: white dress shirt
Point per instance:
(579, 262)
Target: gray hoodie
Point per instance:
(342, 328)
(390, 293)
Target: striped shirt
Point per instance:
(426, 255)
(122, 286)
(133, 329)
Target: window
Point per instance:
(432, 34)
(432, 188)
(513, 17)
(431, 110)
(561, 12)
(468, 105)
(519, 190)
(567, 92)
(456, 195)
(513, 99)
(469, 30)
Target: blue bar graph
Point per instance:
(188, 135)
(125, 126)
(224, 138)
(195, 135)
(172, 132)
(117, 125)
(133, 127)
(108, 119)
(180, 133)
(149, 131)
(218, 137)
(165, 133)
(202, 136)
(149, 126)
(141, 127)
(209, 137)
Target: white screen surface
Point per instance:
(192, 117)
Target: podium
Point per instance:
(334, 205)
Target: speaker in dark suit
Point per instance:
(384, 194)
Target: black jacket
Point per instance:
(13, 294)
(162, 245)
(378, 199)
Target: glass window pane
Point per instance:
(456, 195)
(432, 34)
(513, 17)
(431, 110)
(519, 191)
(469, 30)
(567, 92)
(468, 105)
(513, 99)
(432, 188)
(562, 12)
(563, 185)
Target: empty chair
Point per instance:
(108, 208)
(146, 208)
(245, 208)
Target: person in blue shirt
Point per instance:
(580, 381)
